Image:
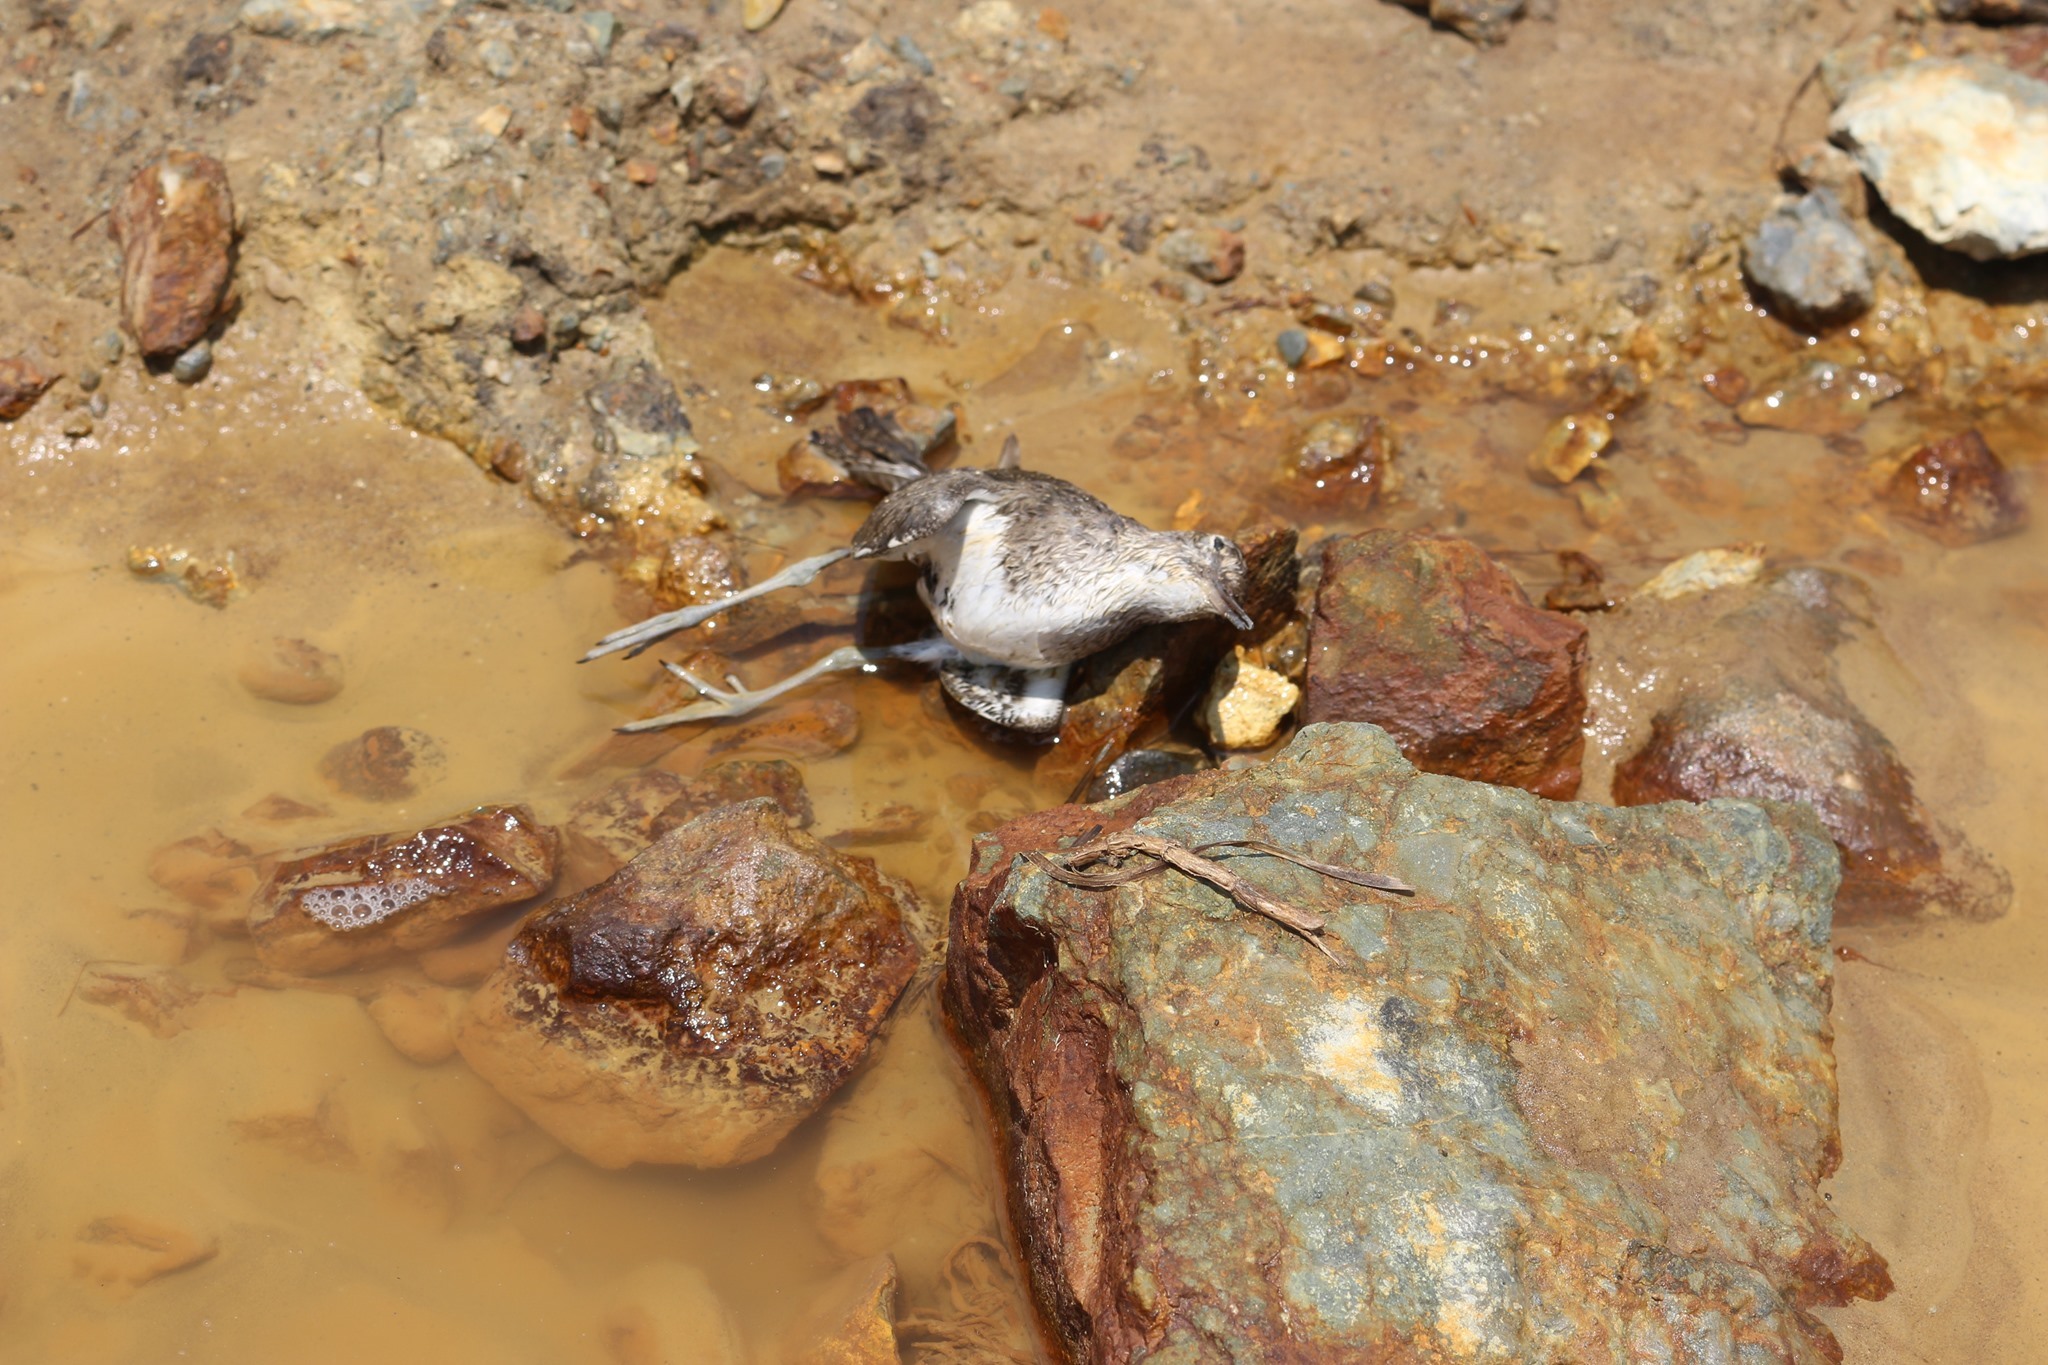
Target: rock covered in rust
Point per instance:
(702, 1002)
(1570, 1101)
(1957, 491)
(1485, 22)
(176, 225)
(368, 900)
(1429, 638)
(21, 384)
(296, 672)
(1747, 702)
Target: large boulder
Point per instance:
(1570, 1101)
(1427, 637)
(1958, 148)
(701, 1002)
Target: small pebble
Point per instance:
(88, 378)
(191, 367)
(78, 425)
(97, 405)
(1293, 344)
(1376, 292)
(758, 14)
(602, 27)
(107, 350)
(909, 51)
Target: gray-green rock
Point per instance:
(1568, 1102)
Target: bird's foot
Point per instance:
(736, 698)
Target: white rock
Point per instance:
(1959, 149)
(1704, 571)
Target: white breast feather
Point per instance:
(988, 616)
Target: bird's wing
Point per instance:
(917, 511)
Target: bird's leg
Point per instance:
(736, 699)
(635, 638)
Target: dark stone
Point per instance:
(1429, 638)
(208, 58)
(897, 118)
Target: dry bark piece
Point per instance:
(387, 763)
(175, 222)
(368, 900)
(1958, 492)
(21, 384)
(698, 1005)
(1430, 639)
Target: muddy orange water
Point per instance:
(325, 1199)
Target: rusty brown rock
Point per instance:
(1957, 491)
(154, 997)
(21, 384)
(698, 1005)
(1427, 637)
(1734, 692)
(816, 729)
(368, 900)
(176, 225)
(1209, 254)
(387, 763)
(804, 471)
(1750, 738)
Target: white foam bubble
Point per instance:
(358, 907)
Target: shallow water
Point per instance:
(366, 1207)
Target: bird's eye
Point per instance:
(1219, 543)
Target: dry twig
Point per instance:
(1168, 852)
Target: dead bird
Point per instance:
(1025, 575)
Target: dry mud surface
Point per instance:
(476, 244)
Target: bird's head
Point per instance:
(1217, 570)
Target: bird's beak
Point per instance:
(1227, 608)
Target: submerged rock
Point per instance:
(1570, 1101)
(1957, 148)
(365, 901)
(384, 763)
(1429, 638)
(1957, 491)
(702, 1002)
(1807, 257)
(610, 827)
(1743, 700)
(296, 672)
(176, 225)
